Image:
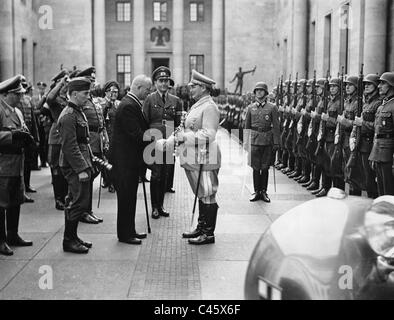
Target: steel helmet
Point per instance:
(372, 78)
(352, 80)
(388, 77)
(261, 85)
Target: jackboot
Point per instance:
(256, 185)
(71, 242)
(58, 182)
(13, 238)
(322, 193)
(208, 235)
(264, 196)
(154, 199)
(161, 191)
(4, 248)
(200, 225)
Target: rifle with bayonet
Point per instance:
(311, 143)
(300, 123)
(290, 134)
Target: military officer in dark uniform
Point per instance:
(383, 146)
(98, 139)
(75, 162)
(366, 122)
(13, 139)
(57, 101)
(262, 139)
(163, 112)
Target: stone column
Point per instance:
(99, 40)
(218, 43)
(375, 36)
(299, 38)
(6, 40)
(177, 70)
(138, 38)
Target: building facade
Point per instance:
(123, 38)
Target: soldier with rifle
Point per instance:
(285, 127)
(302, 126)
(322, 159)
(290, 143)
(345, 126)
(361, 138)
(334, 109)
(279, 103)
(381, 157)
(299, 172)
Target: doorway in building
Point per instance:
(159, 62)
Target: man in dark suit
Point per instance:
(126, 156)
(163, 112)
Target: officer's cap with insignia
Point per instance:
(60, 75)
(161, 73)
(74, 74)
(88, 73)
(12, 85)
(79, 84)
(200, 79)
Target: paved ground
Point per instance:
(165, 267)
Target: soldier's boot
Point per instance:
(161, 193)
(154, 199)
(306, 172)
(256, 185)
(339, 183)
(315, 186)
(312, 177)
(13, 238)
(299, 170)
(4, 248)
(200, 225)
(208, 231)
(326, 182)
(71, 242)
(92, 216)
(58, 191)
(354, 191)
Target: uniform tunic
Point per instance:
(383, 147)
(75, 158)
(11, 158)
(200, 148)
(262, 120)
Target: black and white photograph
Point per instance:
(196, 154)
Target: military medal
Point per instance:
(267, 117)
(384, 122)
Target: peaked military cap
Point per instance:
(79, 84)
(88, 73)
(172, 83)
(60, 75)
(161, 73)
(12, 85)
(74, 74)
(198, 78)
(41, 84)
(110, 84)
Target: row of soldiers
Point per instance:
(334, 130)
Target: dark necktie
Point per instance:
(164, 98)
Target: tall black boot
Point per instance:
(161, 191)
(208, 235)
(256, 185)
(264, 185)
(71, 242)
(13, 238)
(58, 185)
(201, 223)
(154, 199)
(4, 248)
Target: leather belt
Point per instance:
(260, 129)
(96, 129)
